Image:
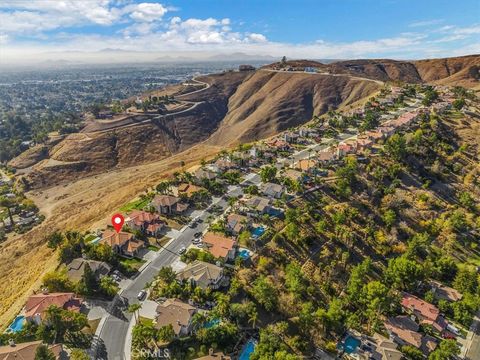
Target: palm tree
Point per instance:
(134, 309)
(253, 317)
(8, 204)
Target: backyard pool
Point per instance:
(248, 349)
(258, 231)
(17, 324)
(211, 323)
(351, 344)
(244, 254)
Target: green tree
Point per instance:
(395, 147)
(134, 309)
(44, 353)
(446, 350)
(265, 293)
(54, 240)
(412, 353)
(295, 281)
(466, 280)
(8, 204)
(58, 281)
(79, 354)
(166, 333)
(268, 173)
(458, 104)
(404, 273)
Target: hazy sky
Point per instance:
(308, 29)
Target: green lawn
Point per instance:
(153, 248)
(138, 204)
(132, 263)
(89, 238)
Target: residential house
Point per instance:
(37, 304)
(224, 164)
(259, 204)
(306, 165)
(202, 274)
(443, 292)
(373, 135)
(149, 223)
(385, 349)
(176, 313)
(188, 190)
(168, 204)
(364, 144)
(220, 246)
(27, 351)
(76, 268)
(272, 190)
(326, 156)
(425, 312)
(293, 175)
(237, 223)
(202, 174)
(290, 137)
(347, 147)
(404, 331)
(122, 242)
(278, 144)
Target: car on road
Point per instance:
(197, 234)
(116, 278)
(199, 220)
(142, 295)
(192, 225)
(182, 250)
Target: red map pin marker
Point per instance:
(117, 222)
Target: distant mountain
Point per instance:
(238, 56)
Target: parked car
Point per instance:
(182, 250)
(142, 295)
(197, 234)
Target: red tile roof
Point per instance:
(218, 245)
(38, 303)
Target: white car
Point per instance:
(141, 295)
(182, 250)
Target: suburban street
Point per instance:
(473, 347)
(113, 334)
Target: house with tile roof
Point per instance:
(220, 246)
(425, 312)
(122, 242)
(404, 331)
(188, 190)
(146, 222)
(202, 174)
(306, 165)
(202, 274)
(443, 292)
(237, 223)
(212, 355)
(27, 350)
(168, 204)
(176, 313)
(272, 190)
(261, 205)
(76, 268)
(37, 304)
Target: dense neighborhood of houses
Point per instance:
(226, 206)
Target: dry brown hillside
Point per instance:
(236, 107)
(269, 102)
(461, 70)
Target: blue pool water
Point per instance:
(248, 349)
(211, 323)
(258, 231)
(351, 344)
(244, 254)
(17, 324)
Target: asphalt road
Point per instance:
(473, 352)
(115, 328)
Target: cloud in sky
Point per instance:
(39, 26)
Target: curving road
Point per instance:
(112, 337)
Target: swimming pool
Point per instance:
(258, 231)
(351, 344)
(244, 254)
(17, 324)
(211, 323)
(248, 349)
